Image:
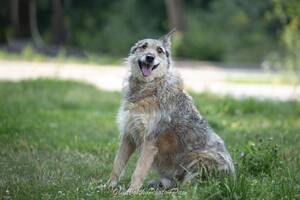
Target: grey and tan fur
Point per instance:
(159, 119)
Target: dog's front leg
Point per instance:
(125, 151)
(148, 152)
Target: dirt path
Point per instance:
(205, 78)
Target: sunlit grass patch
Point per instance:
(30, 54)
(58, 140)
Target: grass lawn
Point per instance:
(29, 54)
(58, 140)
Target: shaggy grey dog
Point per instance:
(159, 119)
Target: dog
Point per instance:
(158, 119)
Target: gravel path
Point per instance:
(199, 79)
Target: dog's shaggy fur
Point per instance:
(159, 119)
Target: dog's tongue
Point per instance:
(146, 71)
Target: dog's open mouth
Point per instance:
(147, 68)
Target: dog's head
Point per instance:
(150, 58)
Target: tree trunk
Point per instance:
(35, 34)
(59, 29)
(175, 14)
(20, 18)
(14, 16)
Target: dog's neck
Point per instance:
(138, 89)
(134, 81)
(141, 89)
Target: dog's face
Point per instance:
(150, 58)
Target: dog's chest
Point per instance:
(136, 117)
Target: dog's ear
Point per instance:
(166, 39)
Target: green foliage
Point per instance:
(117, 26)
(58, 140)
(218, 30)
(291, 40)
(224, 31)
(287, 59)
(200, 43)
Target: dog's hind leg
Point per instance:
(125, 151)
(164, 182)
(206, 162)
(168, 178)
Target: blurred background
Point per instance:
(252, 35)
(233, 31)
(239, 59)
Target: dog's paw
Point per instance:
(111, 183)
(162, 183)
(156, 183)
(131, 191)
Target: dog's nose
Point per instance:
(149, 58)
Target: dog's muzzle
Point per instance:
(147, 66)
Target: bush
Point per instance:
(223, 31)
(200, 43)
(287, 58)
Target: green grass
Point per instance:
(58, 140)
(29, 54)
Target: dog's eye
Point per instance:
(144, 46)
(159, 50)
